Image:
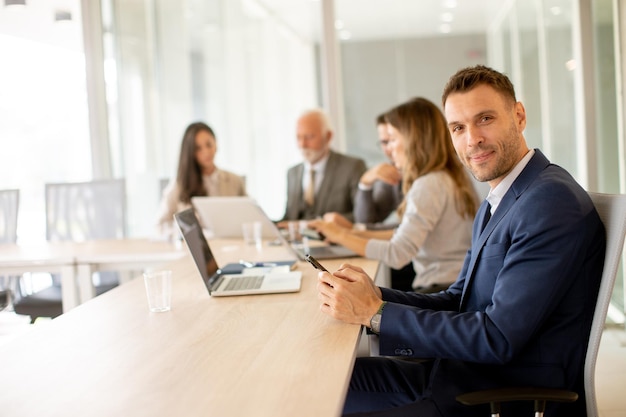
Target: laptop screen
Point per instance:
(198, 246)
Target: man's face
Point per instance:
(313, 141)
(486, 132)
(383, 139)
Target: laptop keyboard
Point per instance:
(248, 282)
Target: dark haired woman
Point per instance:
(197, 176)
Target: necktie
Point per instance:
(486, 217)
(309, 193)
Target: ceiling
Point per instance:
(384, 19)
(355, 19)
(36, 22)
(362, 19)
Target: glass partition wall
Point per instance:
(44, 123)
(534, 43)
(560, 55)
(235, 65)
(393, 51)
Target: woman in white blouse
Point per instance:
(438, 208)
(197, 176)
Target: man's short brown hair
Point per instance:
(468, 78)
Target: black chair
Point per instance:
(77, 212)
(612, 210)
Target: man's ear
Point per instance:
(329, 136)
(520, 113)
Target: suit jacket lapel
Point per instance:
(323, 193)
(298, 180)
(536, 164)
(478, 241)
(299, 206)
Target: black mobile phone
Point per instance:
(315, 263)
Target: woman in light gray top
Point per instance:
(197, 176)
(438, 208)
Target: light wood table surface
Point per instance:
(263, 355)
(127, 256)
(56, 258)
(76, 261)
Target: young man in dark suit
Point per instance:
(520, 311)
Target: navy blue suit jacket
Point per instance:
(520, 311)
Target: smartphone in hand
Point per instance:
(315, 263)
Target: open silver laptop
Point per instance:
(223, 216)
(221, 284)
(226, 214)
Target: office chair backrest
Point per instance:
(9, 206)
(612, 210)
(86, 210)
(163, 183)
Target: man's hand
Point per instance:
(349, 295)
(332, 232)
(382, 172)
(283, 224)
(338, 219)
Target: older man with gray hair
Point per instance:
(326, 181)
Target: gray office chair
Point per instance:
(612, 210)
(163, 183)
(78, 212)
(86, 210)
(9, 206)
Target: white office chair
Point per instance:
(78, 212)
(163, 183)
(86, 210)
(612, 211)
(9, 206)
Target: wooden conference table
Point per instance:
(262, 355)
(76, 261)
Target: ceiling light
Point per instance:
(449, 4)
(210, 27)
(344, 35)
(254, 9)
(62, 16)
(445, 28)
(447, 17)
(8, 3)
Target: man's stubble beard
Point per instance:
(507, 157)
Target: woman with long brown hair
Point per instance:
(438, 209)
(197, 175)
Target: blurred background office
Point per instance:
(93, 89)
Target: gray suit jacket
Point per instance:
(374, 206)
(336, 193)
